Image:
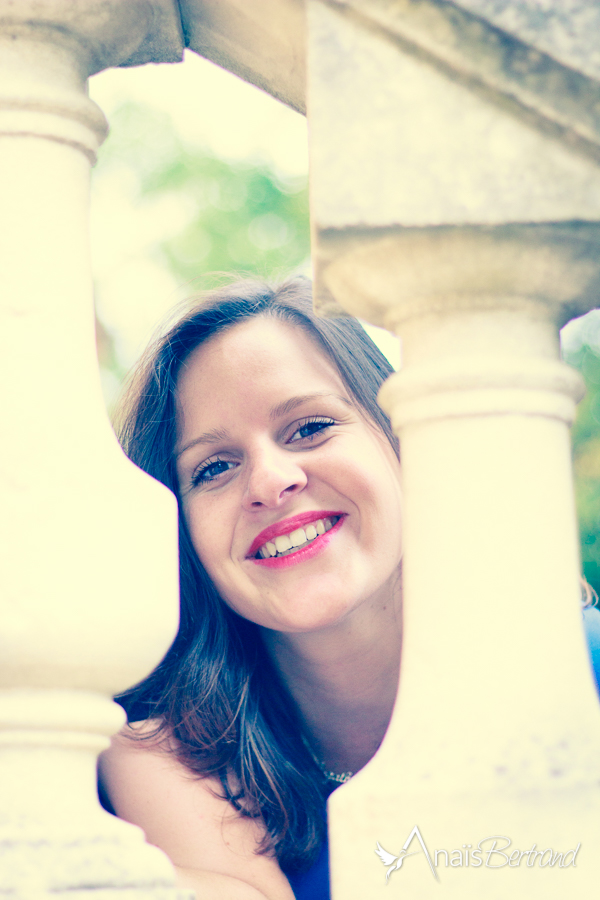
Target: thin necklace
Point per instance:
(338, 777)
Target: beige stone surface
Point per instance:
(263, 42)
(407, 145)
(567, 29)
(88, 544)
(496, 729)
(101, 33)
(454, 219)
(553, 95)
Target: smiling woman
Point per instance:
(263, 420)
(260, 460)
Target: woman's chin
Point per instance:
(301, 618)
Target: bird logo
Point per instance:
(394, 862)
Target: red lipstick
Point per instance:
(306, 552)
(286, 526)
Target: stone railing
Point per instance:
(455, 200)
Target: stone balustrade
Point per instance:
(88, 543)
(453, 204)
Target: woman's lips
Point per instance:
(287, 526)
(308, 551)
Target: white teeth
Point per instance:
(298, 537)
(267, 550)
(287, 543)
(283, 543)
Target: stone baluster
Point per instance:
(443, 214)
(88, 568)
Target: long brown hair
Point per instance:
(216, 692)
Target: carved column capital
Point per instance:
(48, 50)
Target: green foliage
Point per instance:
(238, 217)
(586, 461)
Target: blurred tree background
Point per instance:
(222, 218)
(246, 218)
(243, 217)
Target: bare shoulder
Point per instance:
(185, 815)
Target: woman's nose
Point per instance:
(275, 474)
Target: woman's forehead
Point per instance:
(259, 370)
(257, 348)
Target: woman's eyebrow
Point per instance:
(281, 409)
(288, 406)
(207, 437)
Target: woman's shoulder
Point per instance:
(149, 735)
(144, 744)
(142, 777)
(184, 814)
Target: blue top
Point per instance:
(314, 884)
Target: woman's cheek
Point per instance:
(193, 518)
(212, 538)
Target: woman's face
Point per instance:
(291, 496)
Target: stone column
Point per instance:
(88, 568)
(443, 214)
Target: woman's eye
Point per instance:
(310, 428)
(211, 470)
